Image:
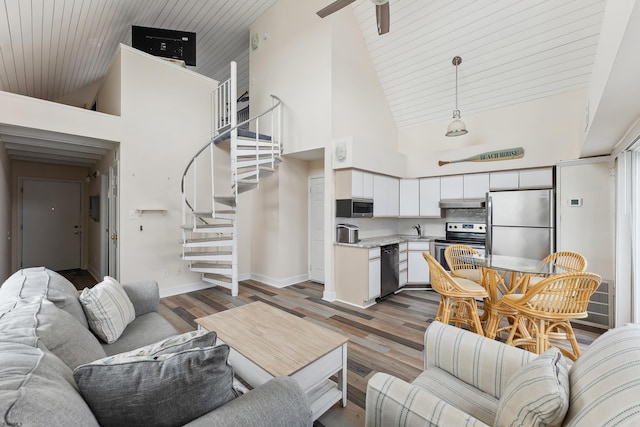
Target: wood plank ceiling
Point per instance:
(512, 50)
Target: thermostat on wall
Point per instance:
(575, 202)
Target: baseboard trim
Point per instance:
(198, 286)
(279, 283)
(183, 289)
(329, 296)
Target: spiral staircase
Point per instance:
(232, 162)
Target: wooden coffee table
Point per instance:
(267, 342)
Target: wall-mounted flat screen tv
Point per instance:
(165, 43)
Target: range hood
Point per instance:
(462, 204)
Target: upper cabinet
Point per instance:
(410, 197)
(521, 179)
(386, 196)
(430, 197)
(352, 183)
(476, 185)
(452, 187)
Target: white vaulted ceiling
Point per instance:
(512, 51)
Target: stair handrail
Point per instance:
(219, 137)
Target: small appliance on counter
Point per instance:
(347, 233)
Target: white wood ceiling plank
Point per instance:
(95, 41)
(78, 35)
(37, 32)
(17, 60)
(8, 76)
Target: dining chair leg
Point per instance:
(476, 319)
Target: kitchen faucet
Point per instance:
(417, 228)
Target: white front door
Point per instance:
(51, 224)
(316, 229)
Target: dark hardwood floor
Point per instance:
(387, 337)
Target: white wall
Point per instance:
(166, 118)
(5, 214)
(549, 130)
(294, 63)
(588, 229)
(32, 113)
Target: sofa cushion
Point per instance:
(538, 394)
(391, 401)
(40, 281)
(38, 322)
(37, 389)
(65, 337)
(458, 393)
(165, 390)
(175, 344)
(144, 330)
(605, 381)
(108, 308)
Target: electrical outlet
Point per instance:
(165, 272)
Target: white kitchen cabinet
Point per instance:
(430, 197)
(475, 185)
(536, 178)
(386, 196)
(374, 278)
(505, 180)
(352, 183)
(402, 263)
(410, 197)
(451, 187)
(417, 267)
(522, 179)
(357, 274)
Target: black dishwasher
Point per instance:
(389, 276)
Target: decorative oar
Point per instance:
(490, 156)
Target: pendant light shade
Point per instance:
(457, 126)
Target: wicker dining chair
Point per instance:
(549, 306)
(457, 297)
(568, 260)
(458, 267)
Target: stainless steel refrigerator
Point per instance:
(521, 223)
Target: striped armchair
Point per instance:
(474, 381)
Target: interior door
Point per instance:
(316, 229)
(51, 224)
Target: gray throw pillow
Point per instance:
(162, 390)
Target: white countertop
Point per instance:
(373, 242)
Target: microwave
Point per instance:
(354, 208)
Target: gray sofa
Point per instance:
(471, 380)
(44, 335)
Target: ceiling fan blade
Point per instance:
(382, 16)
(333, 7)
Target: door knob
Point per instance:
(114, 237)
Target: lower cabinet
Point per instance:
(402, 264)
(357, 273)
(417, 267)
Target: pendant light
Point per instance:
(457, 126)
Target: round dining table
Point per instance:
(501, 275)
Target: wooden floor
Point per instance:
(387, 337)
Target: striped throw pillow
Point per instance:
(108, 308)
(538, 394)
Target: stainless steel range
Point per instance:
(468, 233)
